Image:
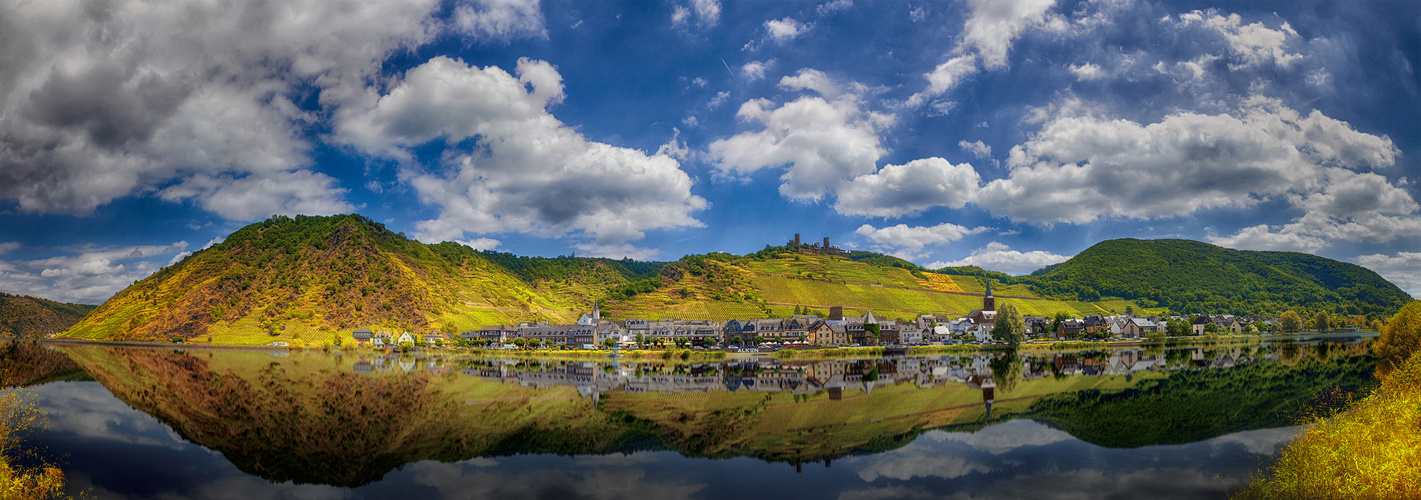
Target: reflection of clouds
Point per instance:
(1004, 437)
(238, 487)
(906, 466)
(246, 487)
(1078, 484)
(1261, 441)
(607, 477)
(88, 410)
(891, 493)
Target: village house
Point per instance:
(362, 336)
(1138, 327)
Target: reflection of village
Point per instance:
(834, 377)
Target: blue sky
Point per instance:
(1006, 134)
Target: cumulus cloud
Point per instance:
(86, 275)
(1251, 44)
(784, 30)
(946, 76)
(755, 70)
(994, 24)
(898, 190)
(527, 172)
(500, 19)
(1403, 269)
(1087, 71)
(999, 257)
(909, 242)
(1261, 237)
(1189, 162)
(987, 35)
(978, 149)
(481, 243)
(820, 141)
(706, 11)
(128, 97)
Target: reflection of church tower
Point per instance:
(988, 302)
(988, 395)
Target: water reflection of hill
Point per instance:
(348, 420)
(24, 363)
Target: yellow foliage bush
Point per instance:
(1372, 450)
(1401, 336)
(19, 413)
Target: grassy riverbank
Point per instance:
(1370, 449)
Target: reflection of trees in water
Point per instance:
(1006, 370)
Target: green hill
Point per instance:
(33, 317)
(309, 280)
(306, 279)
(1192, 277)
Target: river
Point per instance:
(144, 422)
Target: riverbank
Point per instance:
(1370, 450)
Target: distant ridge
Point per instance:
(1188, 276)
(33, 317)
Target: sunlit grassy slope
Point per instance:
(775, 286)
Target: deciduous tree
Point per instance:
(1291, 322)
(1009, 326)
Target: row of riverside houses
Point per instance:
(592, 331)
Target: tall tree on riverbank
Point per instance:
(1009, 325)
(1321, 322)
(1291, 322)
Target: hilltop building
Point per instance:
(825, 248)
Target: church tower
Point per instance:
(988, 302)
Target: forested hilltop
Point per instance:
(26, 316)
(311, 280)
(1192, 277)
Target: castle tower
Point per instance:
(796, 240)
(826, 242)
(989, 303)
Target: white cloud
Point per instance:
(999, 257)
(1252, 44)
(528, 172)
(755, 70)
(822, 143)
(87, 275)
(617, 251)
(1087, 71)
(784, 30)
(811, 79)
(946, 76)
(679, 15)
(708, 10)
(899, 190)
(480, 243)
(1403, 269)
(176, 93)
(719, 99)
(978, 149)
(833, 6)
(908, 242)
(994, 24)
(8, 247)
(1080, 167)
(1261, 237)
(500, 19)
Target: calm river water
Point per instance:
(232, 423)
